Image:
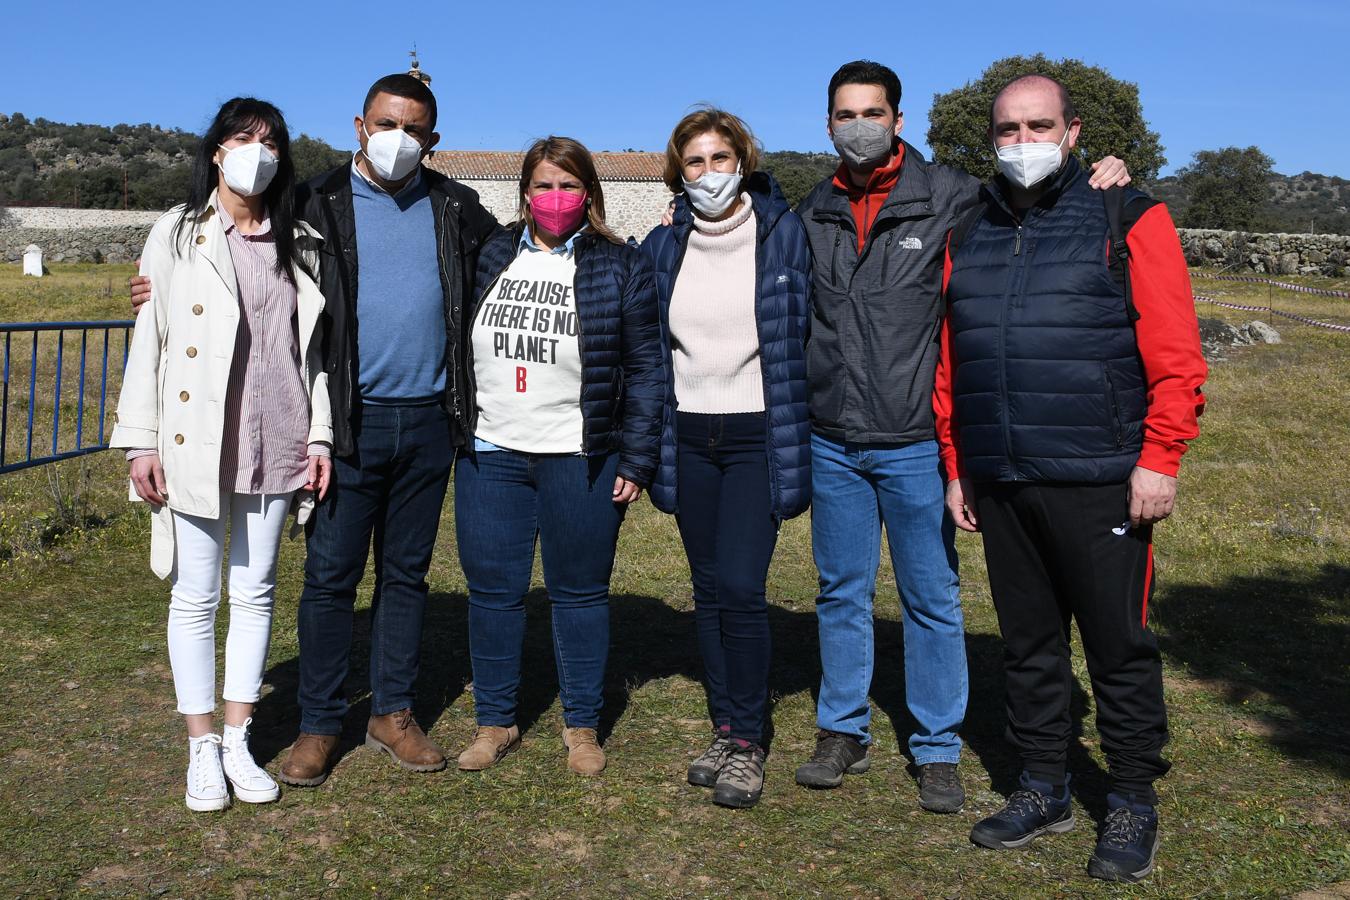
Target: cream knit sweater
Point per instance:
(714, 339)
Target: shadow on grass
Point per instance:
(442, 678)
(651, 640)
(1278, 648)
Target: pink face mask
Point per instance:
(558, 212)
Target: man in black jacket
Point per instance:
(393, 355)
(394, 358)
(878, 229)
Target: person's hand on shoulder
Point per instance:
(1108, 172)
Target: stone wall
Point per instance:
(631, 207)
(75, 235)
(117, 236)
(53, 217)
(1268, 254)
(113, 245)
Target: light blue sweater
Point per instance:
(400, 306)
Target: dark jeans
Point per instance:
(393, 486)
(726, 523)
(503, 501)
(1057, 552)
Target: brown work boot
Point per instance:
(584, 755)
(310, 759)
(399, 735)
(490, 743)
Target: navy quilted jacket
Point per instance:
(1049, 386)
(623, 356)
(783, 314)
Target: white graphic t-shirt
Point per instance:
(527, 358)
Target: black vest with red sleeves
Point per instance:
(1049, 386)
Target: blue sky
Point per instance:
(620, 74)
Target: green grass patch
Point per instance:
(1252, 607)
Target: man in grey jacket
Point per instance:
(878, 231)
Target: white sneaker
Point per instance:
(250, 781)
(206, 791)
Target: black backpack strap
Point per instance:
(1114, 199)
(1124, 207)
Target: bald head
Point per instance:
(1033, 86)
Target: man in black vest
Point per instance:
(1068, 387)
(877, 230)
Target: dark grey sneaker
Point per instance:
(836, 754)
(741, 780)
(1029, 813)
(940, 788)
(703, 771)
(1127, 843)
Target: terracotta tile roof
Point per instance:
(503, 165)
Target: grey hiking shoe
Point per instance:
(836, 754)
(703, 771)
(940, 788)
(741, 780)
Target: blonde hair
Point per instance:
(572, 157)
(701, 121)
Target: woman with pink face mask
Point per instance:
(566, 366)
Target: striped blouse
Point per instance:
(263, 447)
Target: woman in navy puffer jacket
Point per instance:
(567, 375)
(733, 275)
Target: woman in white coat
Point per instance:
(224, 414)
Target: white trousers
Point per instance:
(256, 522)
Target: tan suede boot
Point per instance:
(310, 759)
(399, 735)
(584, 755)
(490, 743)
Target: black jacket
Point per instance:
(462, 226)
(876, 315)
(623, 368)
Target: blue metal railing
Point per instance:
(40, 364)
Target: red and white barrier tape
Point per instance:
(1297, 288)
(1275, 312)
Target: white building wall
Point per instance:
(632, 208)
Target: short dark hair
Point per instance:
(1066, 102)
(864, 71)
(401, 84)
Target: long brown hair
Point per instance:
(701, 121)
(572, 157)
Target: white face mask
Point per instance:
(714, 192)
(393, 153)
(248, 168)
(1030, 163)
(863, 142)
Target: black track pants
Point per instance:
(1056, 551)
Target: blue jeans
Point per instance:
(727, 526)
(503, 500)
(391, 487)
(856, 488)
